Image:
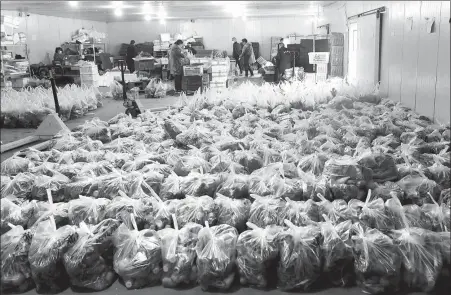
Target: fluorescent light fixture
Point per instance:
(118, 12)
(147, 8)
(73, 3)
(148, 18)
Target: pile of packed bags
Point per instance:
(304, 188)
(27, 108)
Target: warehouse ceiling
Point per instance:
(114, 11)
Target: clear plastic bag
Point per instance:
(234, 212)
(172, 187)
(216, 256)
(235, 186)
(122, 206)
(15, 165)
(46, 256)
(178, 249)
(300, 213)
(87, 210)
(87, 262)
(377, 261)
(248, 159)
(16, 272)
(196, 210)
(438, 214)
(336, 211)
(198, 184)
(137, 257)
(313, 163)
(257, 250)
(336, 252)
(417, 187)
(14, 214)
(55, 183)
(20, 186)
(383, 167)
(300, 257)
(266, 211)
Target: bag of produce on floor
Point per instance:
(96, 130)
(15, 165)
(250, 160)
(371, 213)
(377, 261)
(42, 211)
(440, 174)
(14, 214)
(417, 187)
(196, 210)
(313, 163)
(85, 156)
(195, 135)
(46, 256)
(438, 214)
(388, 190)
(412, 215)
(390, 141)
(108, 186)
(336, 211)
(346, 170)
(91, 255)
(5, 182)
(266, 210)
(162, 212)
(286, 188)
(258, 186)
(55, 183)
(336, 252)
(421, 257)
(300, 258)
(172, 187)
(16, 272)
(445, 197)
(234, 212)
(178, 249)
(122, 206)
(184, 165)
(383, 167)
(216, 256)
(198, 184)
(257, 250)
(300, 213)
(88, 210)
(235, 186)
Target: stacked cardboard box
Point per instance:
(336, 45)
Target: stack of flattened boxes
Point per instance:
(336, 45)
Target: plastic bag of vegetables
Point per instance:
(178, 249)
(196, 210)
(266, 211)
(46, 256)
(15, 165)
(234, 212)
(300, 213)
(20, 186)
(172, 187)
(122, 206)
(257, 250)
(377, 261)
(438, 214)
(336, 252)
(336, 211)
(137, 257)
(87, 210)
(300, 258)
(89, 255)
(14, 214)
(216, 255)
(235, 186)
(16, 272)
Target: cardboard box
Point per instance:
(337, 50)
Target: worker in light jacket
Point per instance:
(132, 52)
(236, 53)
(246, 56)
(177, 59)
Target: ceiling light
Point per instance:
(73, 3)
(117, 4)
(148, 18)
(147, 8)
(118, 12)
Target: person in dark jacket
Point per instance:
(246, 56)
(177, 57)
(58, 57)
(190, 49)
(236, 53)
(132, 52)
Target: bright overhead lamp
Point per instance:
(118, 12)
(73, 3)
(148, 18)
(147, 8)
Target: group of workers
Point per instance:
(244, 55)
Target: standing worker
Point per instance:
(236, 53)
(132, 52)
(246, 56)
(177, 58)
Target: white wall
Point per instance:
(415, 65)
(45, 33)
(217, 33)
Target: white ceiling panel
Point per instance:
(137, 10)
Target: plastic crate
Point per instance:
(321, 68)
(191, 70)
(318, 57)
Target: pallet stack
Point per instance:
(336, 45)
